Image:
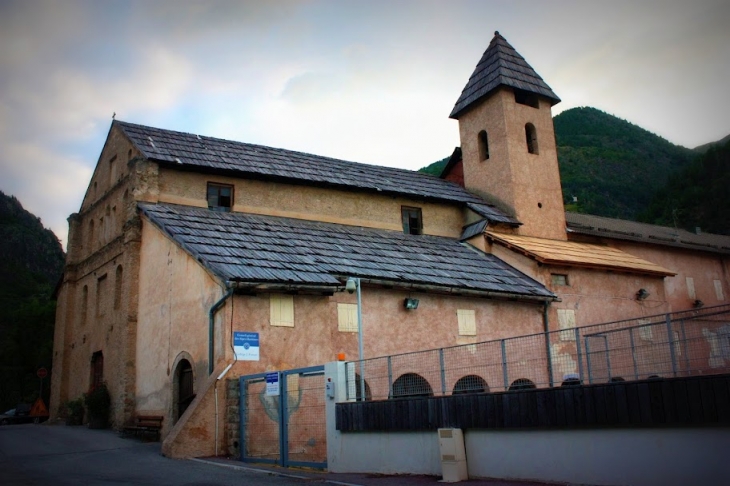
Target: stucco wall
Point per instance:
(702, 267)
(175, 295)
(311, 203)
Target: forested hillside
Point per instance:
(611, 166)
(696, 196)
(31, 262)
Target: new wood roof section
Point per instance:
(501, 65)
(570, 253)
(258, 249)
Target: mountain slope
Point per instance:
(31, 262)
(612, 166)
(696, 196)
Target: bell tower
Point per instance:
(508, 140)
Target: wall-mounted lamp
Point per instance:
(697, 304)
(410, 304)
(642, 294)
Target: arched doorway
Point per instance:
(183, 389)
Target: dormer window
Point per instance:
(220, 197)
(412, 221)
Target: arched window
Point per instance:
(411, 385)
(470, 384)
(531, 138)
(483, 146)
(118, 279)
(97, 369)
(184, 392)
(358, 391)
(84, 303)
(91, 235)
(522, 384)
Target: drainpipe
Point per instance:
(220, 377)
(211, 320)
(545, 323)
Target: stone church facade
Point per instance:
(184, 240)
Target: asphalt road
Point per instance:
(58, 455)
(35, 455)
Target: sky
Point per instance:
(367, 81)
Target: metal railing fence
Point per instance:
(683, 343)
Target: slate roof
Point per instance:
(195, 152)
(587, 224)
(266, 249)
(492, 213)
(501, 65)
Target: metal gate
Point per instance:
(286, 428)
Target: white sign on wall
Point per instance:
(272, 384)
(246, 346)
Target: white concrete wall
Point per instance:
(637, 457)
(372, 452)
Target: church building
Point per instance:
(184, 242)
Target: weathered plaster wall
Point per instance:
(101, 258)
(175, 295)
(702, 267)
(311, 203)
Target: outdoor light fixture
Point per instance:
(642, 294)
(697, 304)
(410, 304)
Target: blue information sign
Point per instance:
(246, 346)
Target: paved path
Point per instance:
(35, 455)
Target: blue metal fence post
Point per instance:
(670, 340)
(633, 353)
(504, 365)
(579, 354)
(283, 420)
(588, 361)
(390, 378)
(686, 350)
(443, 371)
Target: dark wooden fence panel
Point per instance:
(700, 400)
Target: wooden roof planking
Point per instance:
(571, 253)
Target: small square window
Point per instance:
(220, 197)
(347, 317)
(281, 310)
(412, 221)
(559, 279)
(467, 322)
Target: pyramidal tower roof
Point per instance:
(501, 65)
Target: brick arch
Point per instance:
(183, 382)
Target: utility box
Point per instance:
(453, 455)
